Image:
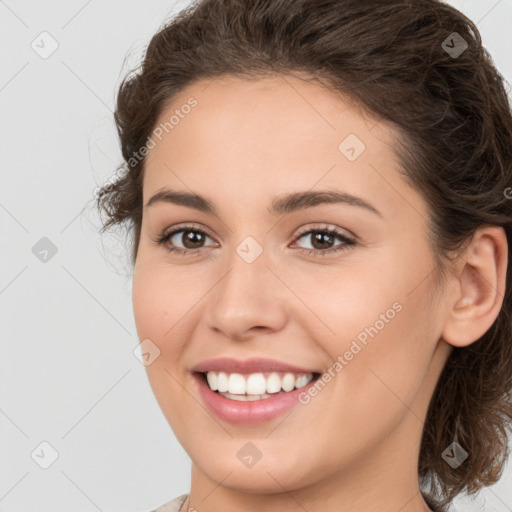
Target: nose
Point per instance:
(249, 300)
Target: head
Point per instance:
(244, 103)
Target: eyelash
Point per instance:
(348, 243)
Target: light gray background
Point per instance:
(68, 374)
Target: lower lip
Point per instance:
(248, 412)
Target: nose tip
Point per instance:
(246, 301)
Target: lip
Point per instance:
(246, 366)
(251, 412)
(254, 411)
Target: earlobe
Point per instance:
(480, 284)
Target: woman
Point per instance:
(318, 192)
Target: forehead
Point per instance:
(290, 108)
(266, 136)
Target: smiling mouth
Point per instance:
(255, 386)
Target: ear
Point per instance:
(480, 287)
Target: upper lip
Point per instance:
(230, 365)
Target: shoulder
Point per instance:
(173, 505)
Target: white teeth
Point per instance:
(301, 381)
(273, 383)
(212, 380)
(222, 382)
(245, 398)
(255, 386)
(288, 382)
(237, 384)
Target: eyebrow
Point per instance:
(281, 205)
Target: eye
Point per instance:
(323, 239)
(193, 239)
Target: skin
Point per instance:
(353, 447)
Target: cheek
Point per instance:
(162, 310)
(162, 301)
(379, 327)
(162, 304)
(375, 387)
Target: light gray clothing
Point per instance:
(173, 505)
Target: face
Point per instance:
(332, 287)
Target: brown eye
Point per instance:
(183, 240)
(191, 239)
(322, 241)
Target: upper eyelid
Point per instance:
(327, 227)
(179, 228)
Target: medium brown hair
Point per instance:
(455, 123)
